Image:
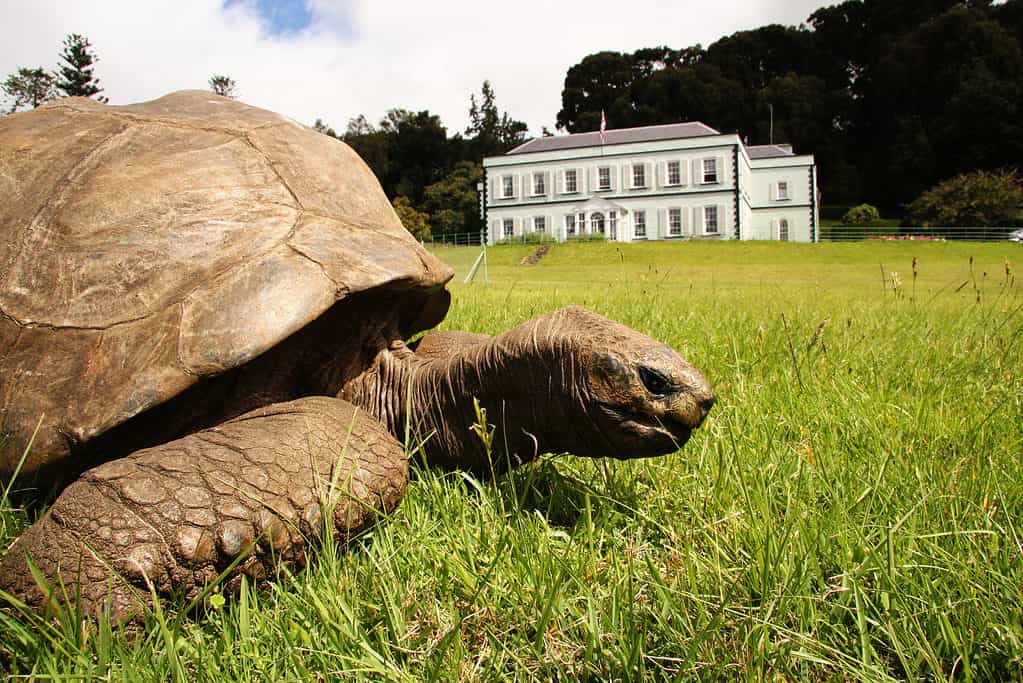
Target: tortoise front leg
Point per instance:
(177, 515)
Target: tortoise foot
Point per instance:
(251, 492)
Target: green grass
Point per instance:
(851, 510)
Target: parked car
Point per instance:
(1016, 235)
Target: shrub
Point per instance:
(528, 238)
(416, 222)
(975, 199)
(864, 214)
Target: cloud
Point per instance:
(342, 58)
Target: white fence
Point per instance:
(462, 239)
(856, 233)
(836, 233)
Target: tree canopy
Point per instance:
(28, 88)
(890, 95)
(224, 86)
(426, 173)
(979, 198)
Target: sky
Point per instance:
(337, 59)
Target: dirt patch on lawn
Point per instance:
(532, 259)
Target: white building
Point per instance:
(675, 181)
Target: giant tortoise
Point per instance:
(203, 308)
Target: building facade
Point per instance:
(676, 181)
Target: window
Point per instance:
(638, 175)
(597, 223)
(539, 224)
(710, 220)
(507, 187)
(509, 227)
(783, 230)
(539, 184)
(783, 191)
(675, 222)
(570, 224)
(639, 224)
(571, 181)
(710, 170)
(604, 178)
(674, 173)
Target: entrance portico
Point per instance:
(596, 216)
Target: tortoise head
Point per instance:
(640, 396)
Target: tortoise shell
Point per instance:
(146, 247)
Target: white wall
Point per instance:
(759, 203)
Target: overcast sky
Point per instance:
(336, 59)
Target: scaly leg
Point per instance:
(178, 514)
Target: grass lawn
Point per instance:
(850, 511)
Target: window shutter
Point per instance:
(661, 230)
(685, 221)
(662, 174)
(697, 171)
(614, 178)
(698, 220)
(593, 178)
(492, 190)
(682, 172)
(580, 180)
(648, 174)
(549, 219)
(626, 176)
(561, 183)
(721, 170)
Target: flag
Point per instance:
(603, 128)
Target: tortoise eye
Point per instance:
(655, 381)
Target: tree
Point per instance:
(28, 88)
(224, 86)
(359, 126)
(700, 93)
(754, 58)
(492, 132)
(600, 82)
(453, 202)
(416, 222)
(418, 152)
(321, 127)
(976, 199)
(76, 78)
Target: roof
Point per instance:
(769, 151)
(619, 136)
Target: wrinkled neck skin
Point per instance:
(529, 383)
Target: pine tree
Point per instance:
(76, 77)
